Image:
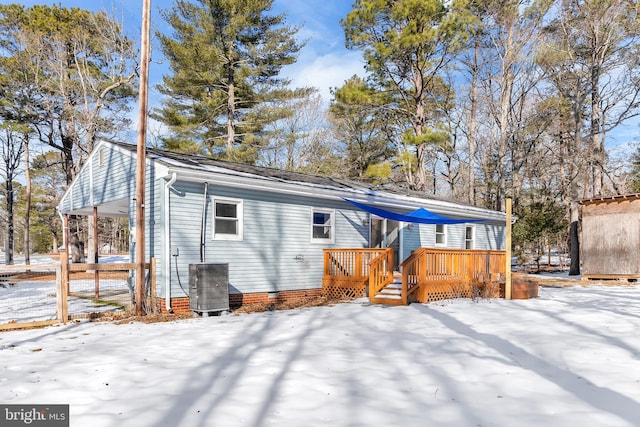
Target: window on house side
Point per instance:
(227, 220)
(468, 237)
(441, 235)
(322, 225)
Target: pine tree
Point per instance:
(226, 57)
(407, 44)
(357, 117)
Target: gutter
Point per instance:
(167, 245)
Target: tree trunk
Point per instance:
(27, 209)
(421, 174)
(76, 246)
(506, 92)
(8, 255)
(574, 243)
(421, 149)
(597, 153)
(231, 111)
(472, 123)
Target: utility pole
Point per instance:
(141, 158)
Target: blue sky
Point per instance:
(324, 62)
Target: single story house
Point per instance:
(610, 237)
(268, 226)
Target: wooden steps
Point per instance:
(390, 294)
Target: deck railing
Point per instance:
(413, 274)
(446, 273)
(380, 272)
(428, 274)
(346, 271)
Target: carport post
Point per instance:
(96, 275)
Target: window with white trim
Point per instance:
(441, 235)
(469, 237)
(227, 219)
(322, 225)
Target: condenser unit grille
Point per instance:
(209, 287)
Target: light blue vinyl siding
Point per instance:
(95, 184)
(115, 179)
(81, 195)
(490, 237)
(487, 236)
(410, 239)
(455, 236)
(276, 252)
(418, 236)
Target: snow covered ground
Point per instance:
(569, 358)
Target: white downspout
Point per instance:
(167, 248)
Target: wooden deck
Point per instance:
(346, 272)
(427, 275)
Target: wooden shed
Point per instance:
(610, 238)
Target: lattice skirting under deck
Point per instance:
(343, 289)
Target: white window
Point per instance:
(322, 225)
(469, 235)
(227, 219)
(441, 235)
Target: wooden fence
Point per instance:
(40, 295)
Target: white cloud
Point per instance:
(326, 71)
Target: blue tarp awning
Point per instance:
(420, 215)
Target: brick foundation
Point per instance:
(181, 305)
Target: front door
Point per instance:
(385, 233)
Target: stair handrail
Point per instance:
(380, 272)
(414, 273)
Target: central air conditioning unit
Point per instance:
(208, 287)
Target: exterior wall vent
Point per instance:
(208, 287)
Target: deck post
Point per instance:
(507, 283)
